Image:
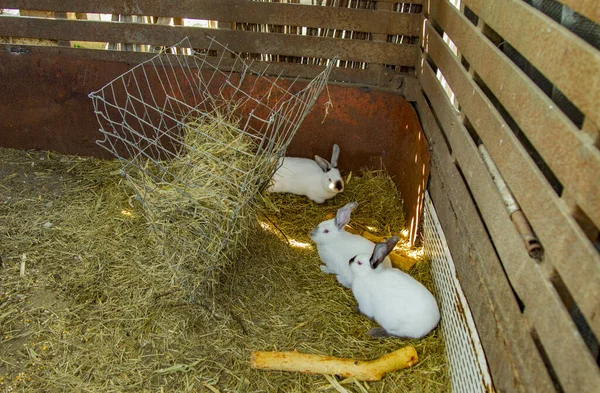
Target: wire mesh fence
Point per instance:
(199, 137)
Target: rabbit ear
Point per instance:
(343, 215)
(322, 163)
(381, 250)
(334, 156)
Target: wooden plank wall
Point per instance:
(539, 321)
(375, 45)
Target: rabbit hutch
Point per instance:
(485, 114)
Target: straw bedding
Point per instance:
(93, 310)
(200, 202)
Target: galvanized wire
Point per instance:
(143, 115)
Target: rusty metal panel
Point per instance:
(55, 113)
(566, 60)
(237, 40)
(49, 109)
(569, 251)
(573, 159)
(371, 127)
(242, 11)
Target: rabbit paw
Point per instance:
(325, 269)
(378, 332)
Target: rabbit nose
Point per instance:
(339, 186)
(313, 232)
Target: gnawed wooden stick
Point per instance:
(401, 261)
(372, 237)
(397, 258)
(372, 370)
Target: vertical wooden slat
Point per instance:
(62, 15)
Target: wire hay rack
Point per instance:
(199, 134)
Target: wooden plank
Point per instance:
(514, 362)
(591, 130)
(396, 1)
(568, 152)
(588, 227)
(567, 248)
(341, 18)
(291, 70)
(39, 14)
(570, 63)
(587, 8)
(567, 351)
(239, 41)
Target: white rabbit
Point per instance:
(318, 180)
(336, 246)
(399, 303)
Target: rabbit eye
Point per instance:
(326, 231)
(359, 262)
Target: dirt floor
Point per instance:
(83, 308)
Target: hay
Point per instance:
(201, 202)
(379, 208)
(95, 312)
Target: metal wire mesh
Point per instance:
(468, 368)
(583, 27)
(199, 137)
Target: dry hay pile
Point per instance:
(201, 203)
(93, 311)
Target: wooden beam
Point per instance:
(514, 362)
(567, 248)
(290, 70)
(569, 153)
(567, 351)
(569, 62)
(239, 41)
(241, 11)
